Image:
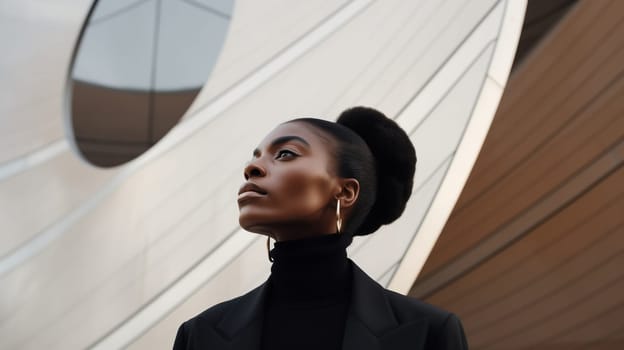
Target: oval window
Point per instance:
(138, 66)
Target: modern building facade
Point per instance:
(125, 126)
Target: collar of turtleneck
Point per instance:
(311, 269)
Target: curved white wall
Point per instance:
(119, 257)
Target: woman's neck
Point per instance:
(298, 231)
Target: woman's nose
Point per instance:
(253, 169)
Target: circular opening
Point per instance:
(138, 67)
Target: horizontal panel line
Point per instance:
(466, 294)
(39, 156)
(538, 322)
(536, 298)
(549, 205)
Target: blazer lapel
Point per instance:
(371, 323)
(241, 327)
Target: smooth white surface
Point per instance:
(386, 247)
(251, 267)
(37, 40)
(31, 160)
(436, 137)
(449, 191)
(467, 150)
(184, 288)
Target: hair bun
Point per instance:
(395, 159)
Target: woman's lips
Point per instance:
(249, 195)
(250, 190)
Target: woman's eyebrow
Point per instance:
(283, 139)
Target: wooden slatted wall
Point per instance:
(533, 253)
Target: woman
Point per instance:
(312, 185)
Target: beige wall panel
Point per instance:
(423, 46)
(35, 130)
(252, 268)
(457, 22)
(33, 202)
(36, 39)
(393, 239)
(433, 140)
(377, 73)
(265, 32)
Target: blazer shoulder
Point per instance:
(214, 314)
(204, 328)
(406, 307)
(200, 324)
(445, 330)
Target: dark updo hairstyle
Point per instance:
(374, 150)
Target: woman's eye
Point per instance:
(285, 154)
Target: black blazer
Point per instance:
(378, 319)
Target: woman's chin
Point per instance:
(251, 224)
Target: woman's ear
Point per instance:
(349, 192)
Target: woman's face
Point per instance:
(290, 189)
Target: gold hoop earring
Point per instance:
(269, 248)
(338, 217)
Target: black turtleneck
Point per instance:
(309, 294)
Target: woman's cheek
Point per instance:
(310, 192)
